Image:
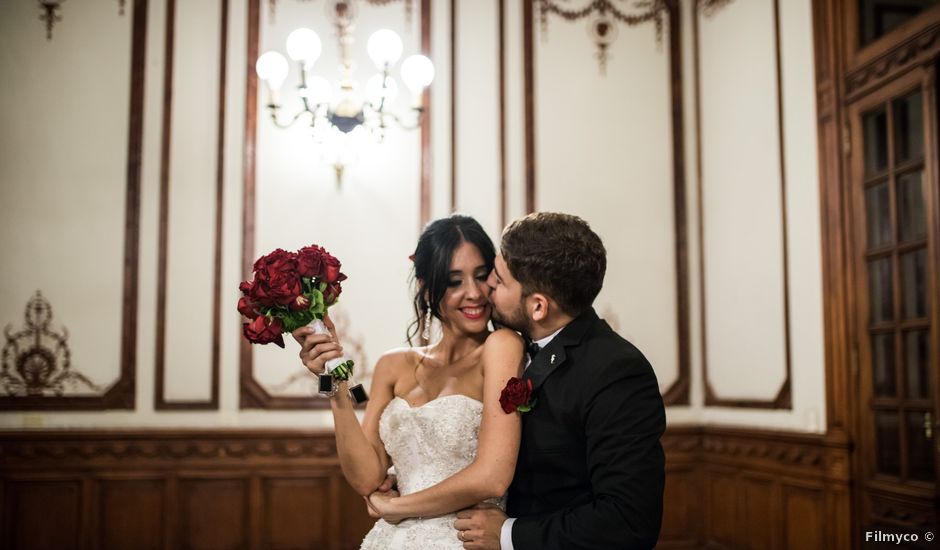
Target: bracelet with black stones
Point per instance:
(328, 383)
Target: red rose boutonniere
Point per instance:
(517, 396)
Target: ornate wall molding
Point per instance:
(708, 8)
(81, 448)
(50, 14)
(605, 18)
(37, 360)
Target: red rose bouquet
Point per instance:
(289, 290)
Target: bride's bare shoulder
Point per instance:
(396, 361)
(503, 339)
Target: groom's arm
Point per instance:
(623, 421)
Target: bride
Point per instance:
(434, 411)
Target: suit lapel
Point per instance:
(554, 355)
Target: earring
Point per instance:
(426, 333)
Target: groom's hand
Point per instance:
(479, 527)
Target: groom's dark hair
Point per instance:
(558, 255)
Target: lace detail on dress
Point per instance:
(427, 444)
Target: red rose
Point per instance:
(264, 330)
(310, 260)
(332, 292)
(516, 396)
(329, 272)
(300, 303)
(247, 308)
(276, 279)
(279, 260)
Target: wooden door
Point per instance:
(896, 268)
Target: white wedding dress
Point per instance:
(427, 444)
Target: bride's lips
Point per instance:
(473, 313)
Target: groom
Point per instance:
(590, 471)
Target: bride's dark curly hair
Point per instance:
(432, 257)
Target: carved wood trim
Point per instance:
(919, 49)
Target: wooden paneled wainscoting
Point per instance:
(747, 488)
(725, 488)
(176, 490)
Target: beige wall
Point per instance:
(603, 151)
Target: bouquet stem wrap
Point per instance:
(319, 327)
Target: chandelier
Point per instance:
(339, 112)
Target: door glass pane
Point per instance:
(919, 448)
(875, 126)
(887, 442)
(879, 290)
(878, 215)
(908, 128)
(914, 283)
(879, 17)
(917, 363)
(882, 362)
(911, 221)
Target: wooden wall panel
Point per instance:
(42, 514)
(130, 514)
(758, 507)
(804, 517)
(745, 488)
(213, 514)
(725, 488)
(720, 507)
(261, 489)
(295, 513)
(681, 514)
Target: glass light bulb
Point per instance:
(272, 68)
(304, 45)
(385, 48)
(417, 72)
(375, 93)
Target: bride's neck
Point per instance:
(454, 346)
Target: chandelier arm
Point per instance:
(404, 126)
(274, 109)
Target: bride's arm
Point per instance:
(362, 455)
(491, 472)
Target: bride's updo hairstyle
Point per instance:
(432, 258)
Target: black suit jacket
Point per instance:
(590, 472)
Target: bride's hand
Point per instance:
(317, 349)
(381, 504)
